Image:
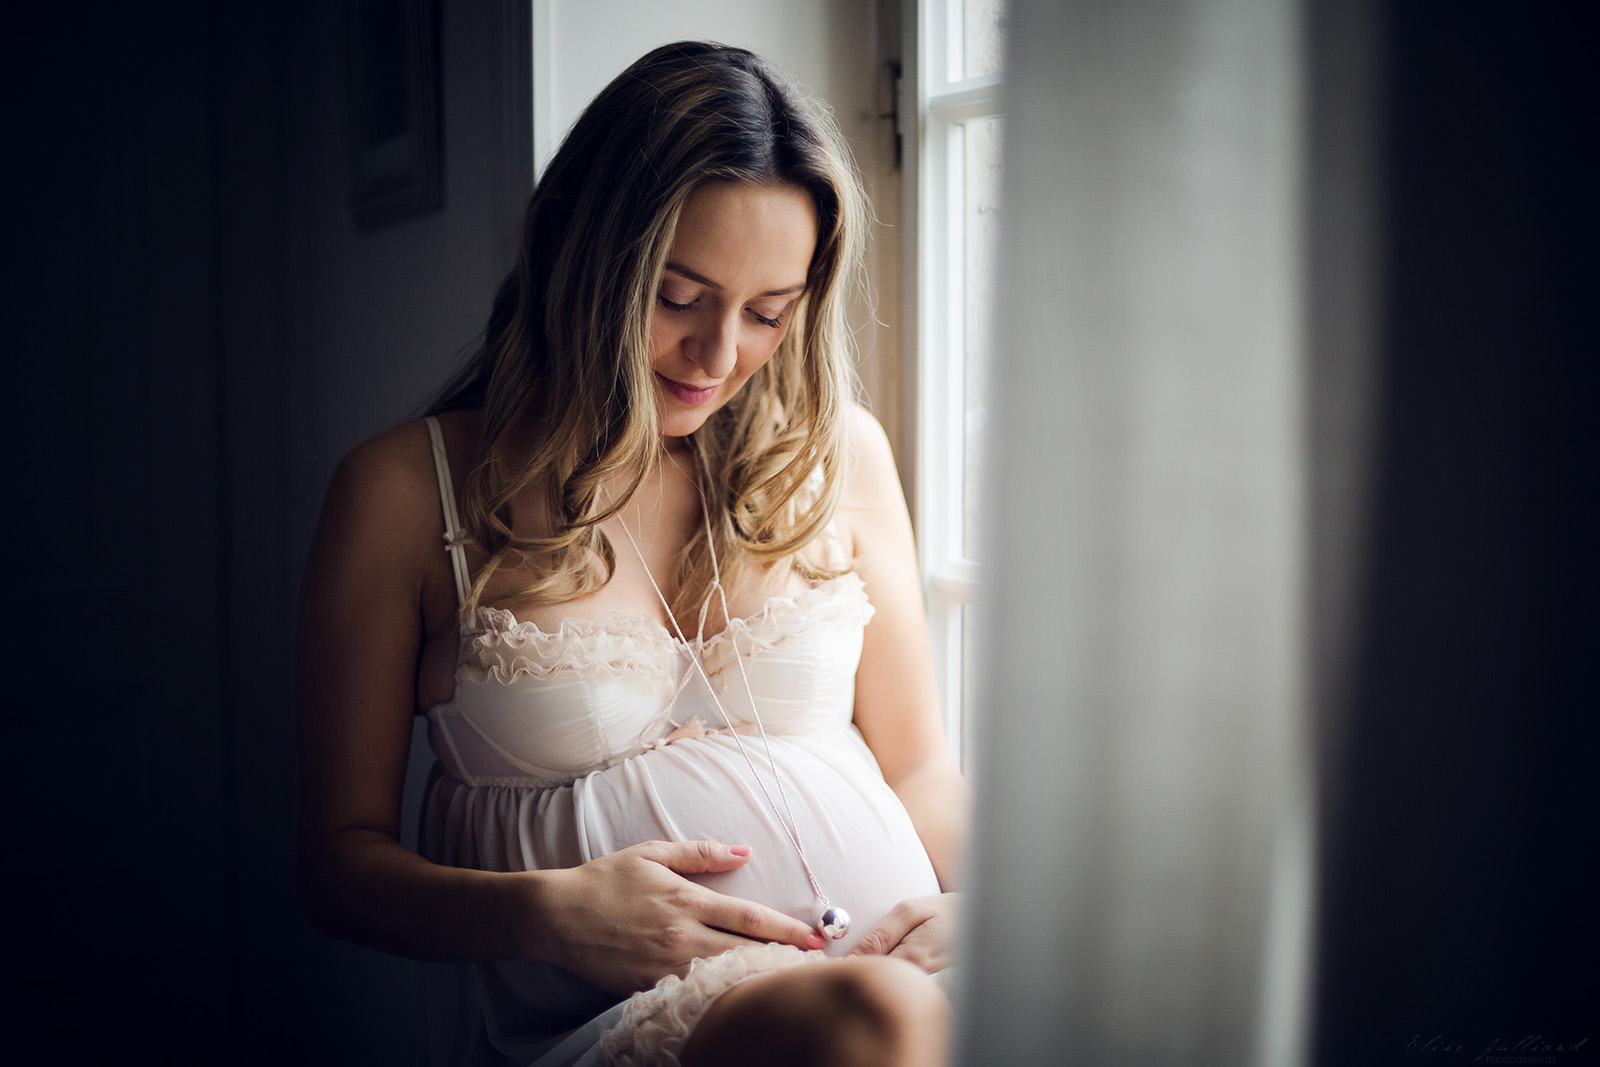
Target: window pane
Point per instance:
(982, 36)
(981, 225)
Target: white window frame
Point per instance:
(941, 100)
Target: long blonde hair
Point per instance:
(563, 375)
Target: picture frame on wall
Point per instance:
(396, 112)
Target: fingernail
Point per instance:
(815, 942)
(739, 850)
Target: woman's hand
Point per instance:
(921, 930)
(626, 920)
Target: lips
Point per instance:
(687, 393)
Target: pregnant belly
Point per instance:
(858, 838)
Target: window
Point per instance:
(952, 192)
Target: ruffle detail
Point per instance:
(613, 643)
(656, 1022)
(501, 649)
(838, 601)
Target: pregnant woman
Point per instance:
(647, 570)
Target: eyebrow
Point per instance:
(695, 276)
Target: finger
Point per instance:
(881, 939)
(696, 857)
(755, 921)
(922, 952)
(713, 943)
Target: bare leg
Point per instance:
(871, 1010)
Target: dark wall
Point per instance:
(150, 743)
(200, 332)
(1457, 904)
(117, 745)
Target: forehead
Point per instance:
(750, 238)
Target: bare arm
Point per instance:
(896, 706)
(376, 560)
(358, 641)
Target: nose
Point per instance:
(717, 347)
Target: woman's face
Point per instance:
(737, 267)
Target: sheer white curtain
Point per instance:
(1141, 871)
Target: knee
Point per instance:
(879, 1010)
(870, 1011)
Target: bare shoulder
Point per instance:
(385, 484)
(382, 506)
(874, 481)
(872, 509)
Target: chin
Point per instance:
(680, 423)
(676, 419)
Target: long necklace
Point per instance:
(833, 921)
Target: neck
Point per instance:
(677, 447)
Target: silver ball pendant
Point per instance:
(835, 923)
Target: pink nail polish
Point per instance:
(815, 942)
(739, 850)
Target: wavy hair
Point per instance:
(563, 373)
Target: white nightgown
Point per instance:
(554, 750)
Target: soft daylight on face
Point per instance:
(736, 271)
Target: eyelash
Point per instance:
(670, 305)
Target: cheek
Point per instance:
(662, 339)
(762, 351)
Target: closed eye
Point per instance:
(671, 305)
(774, 322)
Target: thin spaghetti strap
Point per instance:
(454, 540)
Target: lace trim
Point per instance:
(619, 642)
(656, 1023)
(842, 600)
(614, 643)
